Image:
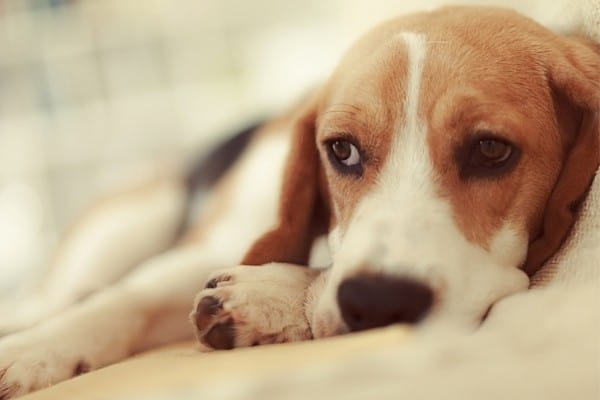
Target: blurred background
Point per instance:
(94, 93)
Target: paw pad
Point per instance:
(221, 336)
(207, 308)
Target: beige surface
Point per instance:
(176, 369)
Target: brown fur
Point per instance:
(290, 240)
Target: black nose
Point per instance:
(368, 301)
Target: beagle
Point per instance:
(443, 160)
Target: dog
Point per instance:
(443, 162)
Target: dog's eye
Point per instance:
(345, 152)
(345, 156)
(486, 155)
(490, 153)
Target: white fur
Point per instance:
(416, 45)
(254, 207)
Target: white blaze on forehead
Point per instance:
(416, 48)
(408, 157)
(408, 175)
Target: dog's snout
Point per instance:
(368, 301)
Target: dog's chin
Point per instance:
(325, 318)
(327, 325)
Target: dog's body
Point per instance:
(447, 151)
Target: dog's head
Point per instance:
(447, 154)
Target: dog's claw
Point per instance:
(7, 390)
(214, 282)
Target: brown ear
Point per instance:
(575, 79)
(301, 210)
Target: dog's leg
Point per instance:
(148, 308)
(92, 254)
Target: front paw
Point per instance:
(16, 378)
(29, 363)
(248, 306)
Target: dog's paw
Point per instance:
(248, 306)
(28, 362)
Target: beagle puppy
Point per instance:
(444, 161)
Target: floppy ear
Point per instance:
(574, 76)
(302, 214)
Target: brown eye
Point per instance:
(495, 151)
(489, 153)
(344, 156)
(341, 149)
(485, 155)
(345, 152)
